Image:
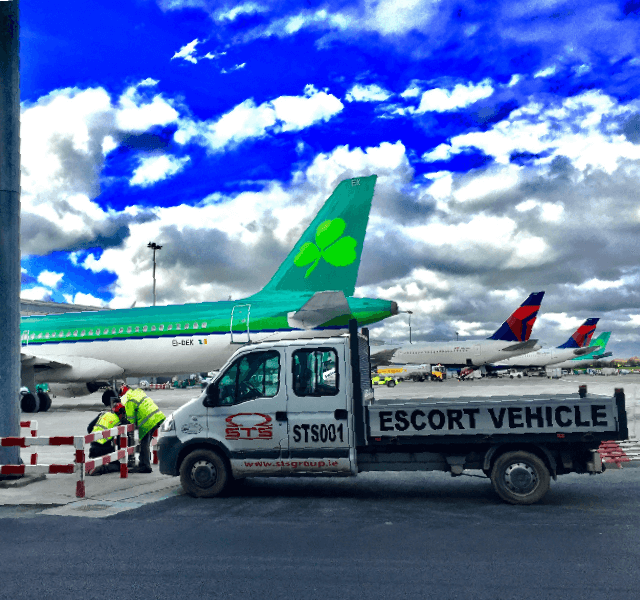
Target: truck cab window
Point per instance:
(315, 372)
(255, 375)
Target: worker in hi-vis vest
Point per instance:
(106, 420)
(146, 417)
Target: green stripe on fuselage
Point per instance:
(207, 318)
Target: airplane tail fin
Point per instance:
(600, 343)
(327, 255)
(582, 336)
(517, 328)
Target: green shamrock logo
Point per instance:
(337, 251)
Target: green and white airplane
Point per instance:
(310, 295)
(597, 347)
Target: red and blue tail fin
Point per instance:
(582, 335)
(517, 328)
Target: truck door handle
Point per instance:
(340, 414)
(281, 415)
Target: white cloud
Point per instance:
(572, 128)
(187, 52)
(549, 212)
(50, 279)
(461, 96)
(248, 120)
(548, 72)
(135, 114)
(36, 293)
(248, 8)
(157, 168)
(367, 93)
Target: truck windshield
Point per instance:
(255, 375)
(315, 372)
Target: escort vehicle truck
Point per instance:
(271, 411)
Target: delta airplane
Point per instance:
(78, 353)
(576, 345)
(511, 339)
(597, 347)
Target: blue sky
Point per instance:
(506, 138)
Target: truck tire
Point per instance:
(520, 477)
(204, 474)
(391, 383)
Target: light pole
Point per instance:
(409, 312)
(154, 247)
(456, 336)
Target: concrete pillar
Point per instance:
(9, 227)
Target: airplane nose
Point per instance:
(394, 308)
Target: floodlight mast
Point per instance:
(154, 247)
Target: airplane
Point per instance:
(310, 295)
(511, 339)
(576, 345)
(597, 347)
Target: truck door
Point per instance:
(318, 411)
(250, 417)
(240, 324)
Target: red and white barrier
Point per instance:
(158, 386)
(32, 426)
(80, 465)
(619, 452)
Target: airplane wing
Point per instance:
(381, 355)
(319, 309)
(521, 346)
(69, 368)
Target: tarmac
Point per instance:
(110, 494)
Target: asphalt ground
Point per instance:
(109, 494)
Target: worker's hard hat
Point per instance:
(118, 408)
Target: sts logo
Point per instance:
(248, 426)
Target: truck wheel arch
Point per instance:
(202, 444)
(540, 451)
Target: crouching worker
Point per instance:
(146, 417)
(106, 420)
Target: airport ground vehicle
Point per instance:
(271, 412)
(387, 380)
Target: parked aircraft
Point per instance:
(77, 353)
(511, 339)
(576, 345)
(597, 347)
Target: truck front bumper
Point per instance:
(169, 447)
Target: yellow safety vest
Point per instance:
(142, 411)
(108, 420)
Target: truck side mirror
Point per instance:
(212, 395)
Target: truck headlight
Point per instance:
(168, 425)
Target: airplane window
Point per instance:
(161, 327)
(186, 325)
(195, 326)
(129, 329)
(32, 336)
(121, 329)
(83, 332)
(137, 328)
(113, 330)
(90, 331)
(68, 334)
(144, 329)
(178, 326)
(169, 327)
(39, 335)
(46, 335)
(75, 333)
(204, 325)
(97, 332)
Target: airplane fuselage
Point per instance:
(170, 340)
(540, 358)
(454, 354)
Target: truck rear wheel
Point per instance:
(391, 383)
(204, 474)
(520, 477)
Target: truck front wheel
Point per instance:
(520, 477)
(204, 474)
